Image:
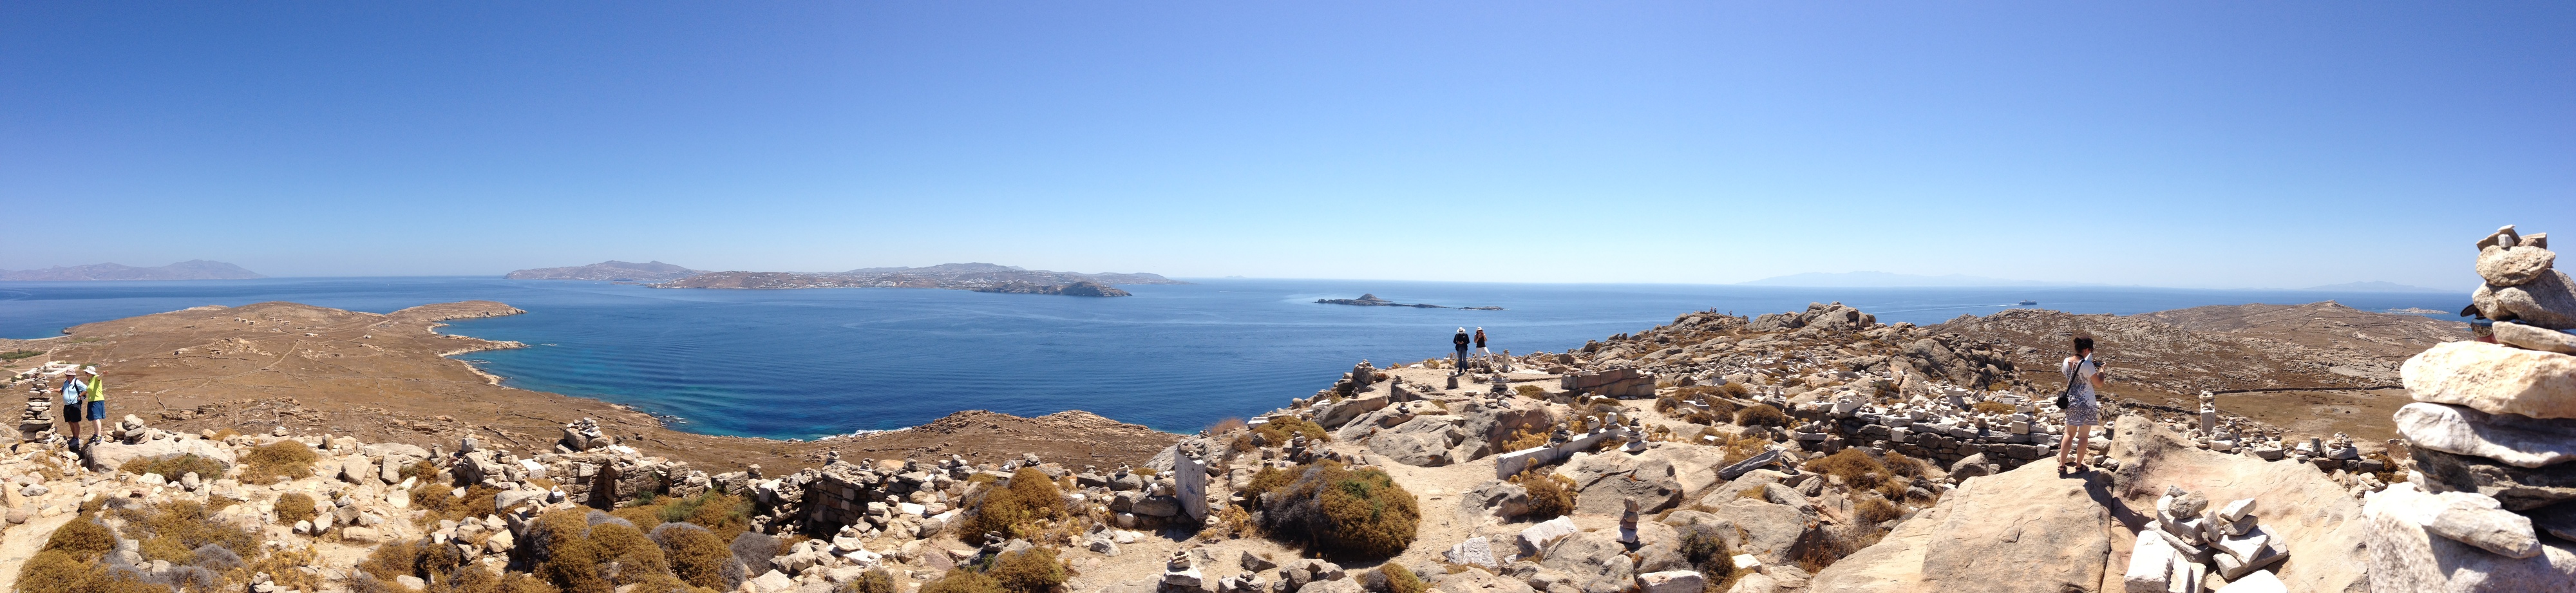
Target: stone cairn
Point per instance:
(2190, 539)
(37, 423)
(2492, 431)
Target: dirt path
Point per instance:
(20, 543)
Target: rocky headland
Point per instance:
(611, 270)
(979, 277)
(195, 269)
(1371, 300)
(1813, 450)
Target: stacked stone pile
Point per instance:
(2190, 540)
(1943, 429)
(2491, 504)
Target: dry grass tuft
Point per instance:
(277, 462)
(1550, 495)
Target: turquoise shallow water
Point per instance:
(806, 363)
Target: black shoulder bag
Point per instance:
(2069, 391)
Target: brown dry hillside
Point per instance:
(2317, 368)
(385, 378)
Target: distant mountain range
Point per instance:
(652, 271)
(980, 277)
(195, 269)
(2376, 286)
(1884, 279)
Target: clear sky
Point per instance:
(2203, 144)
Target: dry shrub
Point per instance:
(285, 567)
(1033, 570)
(1529, 391)
(1230, 522)
(295, 506)
(1858, 470)
(1225, 426)
(626, 556)
(1998, 408)
(641, 517)
(1707, 553)
(1015, 509)
(876, 580)
(1899, 464)
(1874, 510)
(393, 560)
(724, 514)
(1740, 449)
(1400, 579)
(1268, 479)
(1550, 495)
(697, 556)
(1761, 415)
(1819, 548)
(1344, 514)
(173, 467)
(173, 530)
(961, 580)
(277, 462)
(56, 571)
(1523, 439)
(84, 539)
(1278, 429)
(442, 505)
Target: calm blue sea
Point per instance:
(807, 363)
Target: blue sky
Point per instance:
(2200, 144)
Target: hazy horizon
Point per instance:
(2185, 145)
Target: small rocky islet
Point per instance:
(1814, 450)
(1372, 300)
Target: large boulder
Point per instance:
(2494, 379)
(113, 455)
(1605, 480)
(2548, 301)
(1597, 560)
(1493, 499)
(2520, 489)
(2403, 555)
(1422, 441)
(1334, 415)
(2519, 441)
(1769, 531)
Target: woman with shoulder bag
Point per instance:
(2081, 402)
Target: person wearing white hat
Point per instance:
(73, 394)
(1461, 342)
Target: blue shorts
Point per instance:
(97, 409)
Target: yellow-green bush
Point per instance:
(1998, 408)
(697, 556)
(1857, 469)
(173, 530)
(961, 580)
(442, 505)
(627, 556)
(295, 506)
(1761, 415)
(1033, 570)
(1400, 579)
(173, 467)
(1344, 514)
(1278, 429)
(1874, 510)
(277, 462)
(1268, 479)
(876, 580)
(1015, 509)
(84, 539)
(721, 513)
(55, 571)
(1550, 495)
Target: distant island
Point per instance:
(1371, 300)
(978, 277)
(1890, 280)
(2377, 286)
(612, 270)
(195, 269)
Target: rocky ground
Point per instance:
(1814, 450)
